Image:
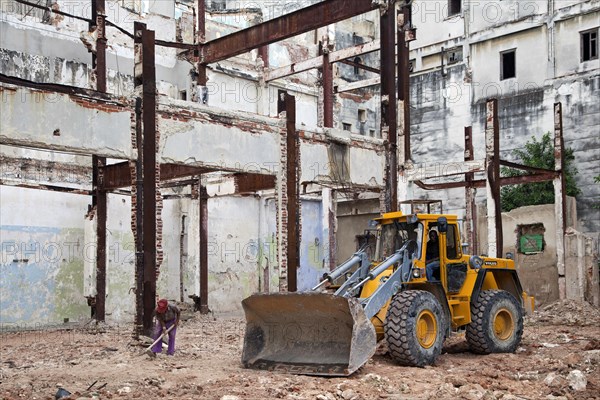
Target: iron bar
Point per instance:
(99, 201)
(327, 92)
(41, 186)
(524, 167)
(203, 203)
(139, 222)
(361, 66)
(389, 103)
(51, 10)
(293, 201)
(404, 26)
(99, 58)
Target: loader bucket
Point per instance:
(307, 333)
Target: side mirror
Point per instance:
(442, 224)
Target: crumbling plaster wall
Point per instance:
(548, 70)
(42, 258)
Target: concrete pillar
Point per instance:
(329, 223)
(559, 199)
(492, 187)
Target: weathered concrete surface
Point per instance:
(34, 118)
(198, 135)
(538, 272)
(41, 269)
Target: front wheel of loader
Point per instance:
(414, 328)
(496, 323)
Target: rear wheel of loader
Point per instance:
(496, 323)
(414, 328)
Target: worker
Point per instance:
(432, 257)
(167, 315)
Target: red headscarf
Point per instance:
(162, 306)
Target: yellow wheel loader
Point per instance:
(405, 289)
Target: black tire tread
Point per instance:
(476, 336)
(399, 319)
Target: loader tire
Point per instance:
(414, 328)
(496, 323)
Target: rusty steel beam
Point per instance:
(51, 10)
(524, 167)
(354, 51)
(293, 195)
(304, 20)
(203, 212)
(100, 203)
(93, 95)
(481, 183)
(251, 183)
(41, 186)
(361, 66)
(317, 62)
(358, 85)
(119, 176)
(389, 104)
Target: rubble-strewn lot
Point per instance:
(559, 359)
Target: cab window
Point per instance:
(452, 248)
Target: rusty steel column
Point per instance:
(560, 200)
(99, 202)
(138, 224)
(100, 59)
(492, 159)
(203, 213)
(389, 103)
(404, 28)
(293, 197)
(201, 79)
(263, 52)
(327, 90)
(144, 58)
(470, 206)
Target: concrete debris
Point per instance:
(471, 392)
(326, 396)
(554, 380)
(577, 380)
(206, 365)
(124, 390)
(349, 394)
(568, 312)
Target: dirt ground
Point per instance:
(559, 358)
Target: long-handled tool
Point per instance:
(149, 348)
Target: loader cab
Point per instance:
(396, 233)
(451, 264)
